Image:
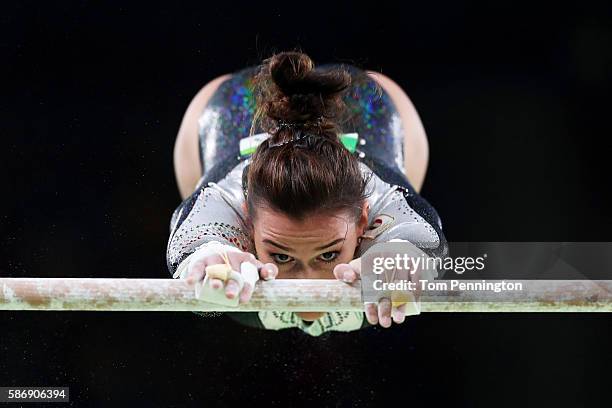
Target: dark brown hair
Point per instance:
(315, 173)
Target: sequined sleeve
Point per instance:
(212, 213)
(398, 212)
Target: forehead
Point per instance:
(313, 228)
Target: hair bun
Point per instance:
(289, 71)
(291, 89)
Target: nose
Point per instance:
(309, 272)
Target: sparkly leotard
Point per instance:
(214, 210)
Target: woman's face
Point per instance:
(308, 249)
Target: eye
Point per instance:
(281, 258)
(329, 256)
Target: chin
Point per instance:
(310, 316)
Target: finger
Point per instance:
(345, 273)
(384, 312)
(237, 258)
(339, 270)
(268, 271)
(399, 313)
(197, 269)
(246, 293)
(356, 265)
(231, 289)
(217, 259)
(216, 283)
(371, 312)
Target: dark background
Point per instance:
(515, 101)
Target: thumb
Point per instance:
(267, 271)
(356, 265)
(348, 272)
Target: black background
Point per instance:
(515, 101)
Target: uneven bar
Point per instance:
(103, 294)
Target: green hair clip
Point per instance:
(248, 145)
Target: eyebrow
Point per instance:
(284, 248)
(334, 242)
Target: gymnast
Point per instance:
(299, 170)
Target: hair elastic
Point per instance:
(297, 136)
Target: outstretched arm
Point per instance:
(213, 214)
(397, 212)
